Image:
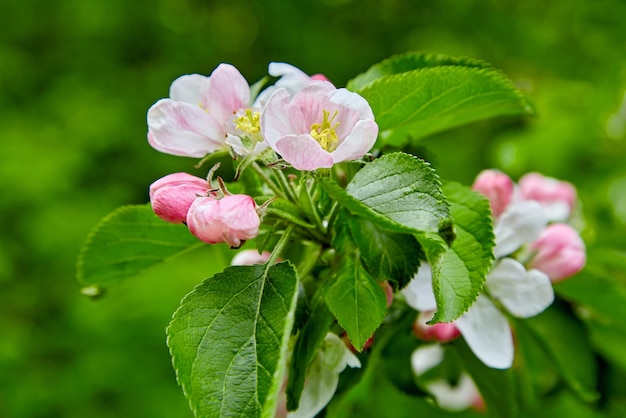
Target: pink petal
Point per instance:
(559, 252)
(497, 187)
(275, 122)
(229, 92)
(303, 152)
(182, 129)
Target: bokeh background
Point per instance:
(76, 79)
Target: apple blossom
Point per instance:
(497, 187)
(559, 252)
(557, 197)
(291, 78)
(319, 126)
(172, 195)
(231, 219)
(442, 332)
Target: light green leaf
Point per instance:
(425, 101)
(398, 192)
(128, 241)
(459, 273)
(229, 337)
(407, 62)
(286, 210)
(388, 255)
(356, 300)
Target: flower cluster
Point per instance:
(304, 120)
(531, 251)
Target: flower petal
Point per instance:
(323, 375)
(229, 92)
(425, 358)
(523, 293)
(521, 223)
(358, 142)
(303, 152)
(419, 292)
(455, 398)
(275, 121)
(488, 334)
(190, 89)
(182, 129)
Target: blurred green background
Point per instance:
(76, 79)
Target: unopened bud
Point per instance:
(559, 252)
(557, 197)
(495, 186)
(172, 195)
(442, 332)
(232, 219)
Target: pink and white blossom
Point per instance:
(559, 252)
(172, 195)
(291, 79)
(497, 187)
(558, 198)
(204, 115)
(319, 126)
(231, 219)
(442, 332)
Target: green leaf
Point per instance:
(398, 192)
(356, 300)
(460, 272)
(128, 241)
(497, 387)
(565, 340)
(307, 344)
(229, 337)
(388, 255)
(286, 210)
(407, 62)
(425, 101)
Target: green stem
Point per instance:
(282, 180)
(280, 245)
(313, 209)
(334, 212)
(269, 181)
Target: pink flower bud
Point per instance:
(442, 332)
(232, 219)
(319, 77)
(172, 195)
(559, 252)
(250, 257)
(557, 197)
(495, 186)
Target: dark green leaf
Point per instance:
(308, 343)
(229, 337)
(356, 300)
(388, 255)
(460, 272)
(128, 241)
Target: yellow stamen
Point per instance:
(324, 133)
(249, 123)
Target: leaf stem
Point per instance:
(282, 180)
(280, 245)
(269, 181)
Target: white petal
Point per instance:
(425, 358)
(523, 293)
(488, 334)
(323, 375)
(358, 142)
(275, 122)
(291, 78)
(419, 292)
(521, 223)
(454, 398)
(190, 89)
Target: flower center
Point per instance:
(324, 133)
(249, 123)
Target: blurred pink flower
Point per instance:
(250, 257)
(172, 195)
(442, 332)
(319, 126)
(559, 252)
(557, 197)
(495, 186)
(231, 219)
